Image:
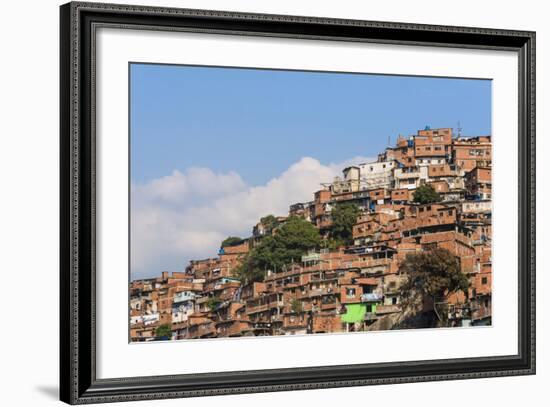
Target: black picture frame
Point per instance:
(78, 382)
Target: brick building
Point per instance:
(348, 288)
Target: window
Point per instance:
(350, 292)
(394, 300)
(484, 280)
(369, 308)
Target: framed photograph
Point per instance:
(255, 203)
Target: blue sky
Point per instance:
(215, 149)
(258, 122)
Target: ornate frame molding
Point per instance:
(79, 384)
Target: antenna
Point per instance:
(459, 130)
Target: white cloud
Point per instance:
(194, 186)
(185, 216)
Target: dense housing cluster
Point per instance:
(354, 286)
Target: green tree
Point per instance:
(333, 244)
(232, 241)
(425, 194)
(433, 273)
(213, 303)
(344, 216)
(292, 240)
(296, 306)
(269, 222)
(296, 237)
(163, 330)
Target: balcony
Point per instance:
(231, 328)
(329, 305)
(412, 172)
(259, 327)
(263, 307)
(387, 309)
(202, 300)
(295, 322)
(201, 331)
(257, 308)
(183, 297)
(371, 297)
(318, 292)
(283, 274)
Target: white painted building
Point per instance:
(182, 310)
(184, 296)
(476, 206)
(149, 319)
(376, 175)
(136, 319)
(350, 182)
(430, 160)
(410, 177)
(183, 305)
(135, 303)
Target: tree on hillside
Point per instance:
(296, 306)
(269, 222)
(163, 331)
(432, 273)
(344, 216)
(293, 239)
(246, 272)
(213, 303)
(297, 236)
(232, 241)
(425, 194)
